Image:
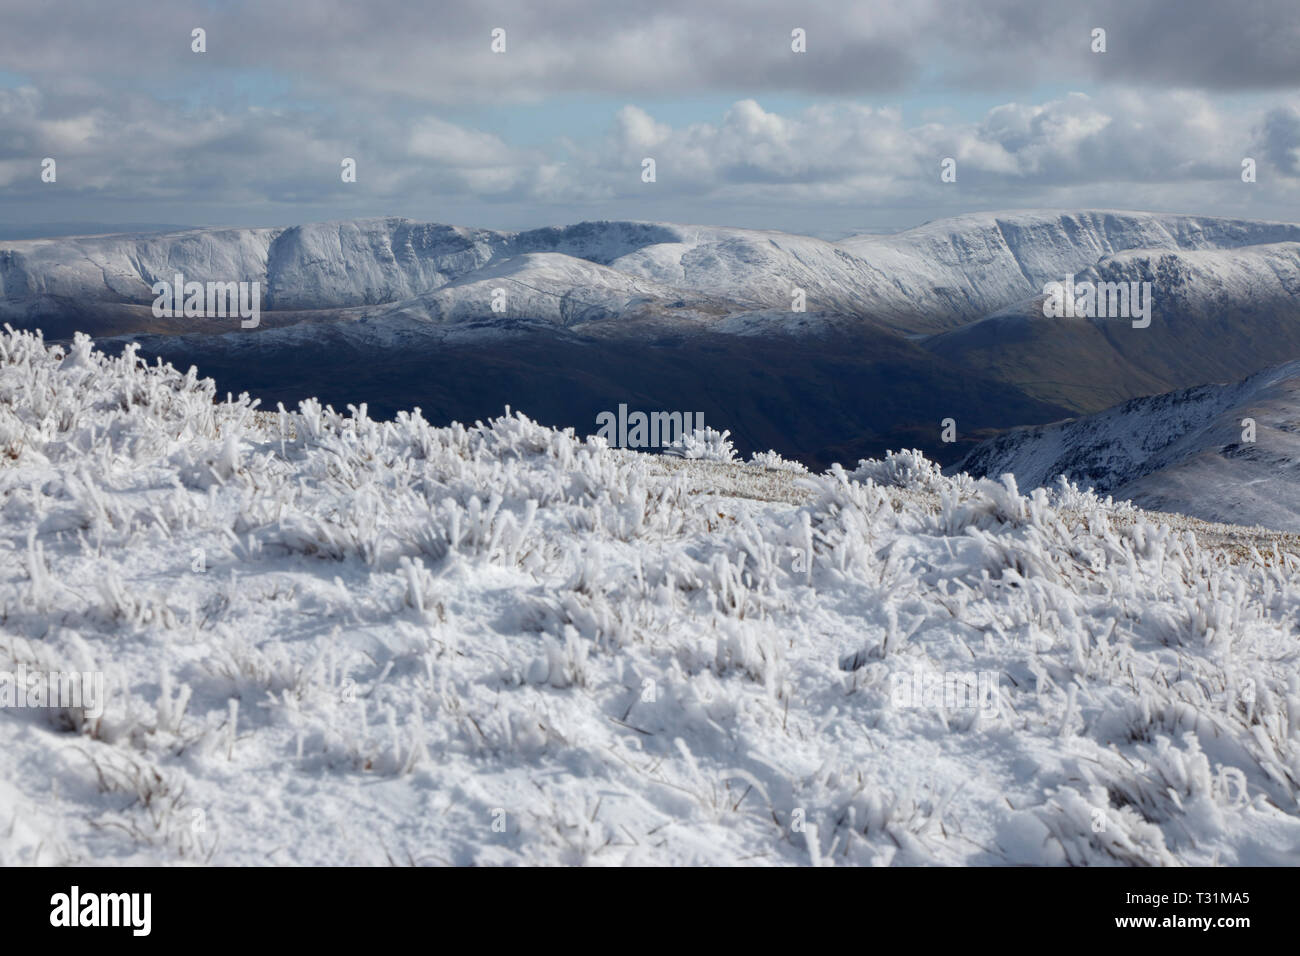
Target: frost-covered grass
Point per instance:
(334, 640)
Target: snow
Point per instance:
(986, 261)
(936, 277)
(548, 287)
(498, 643)
(1183, 451)
(1188, 282)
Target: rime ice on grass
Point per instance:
(503, 643)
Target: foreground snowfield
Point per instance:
(505, 644)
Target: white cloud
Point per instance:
(636, 129)
(451, 145)
(1122, 148)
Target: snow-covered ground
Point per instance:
(327, 639)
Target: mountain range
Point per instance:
(900, 332)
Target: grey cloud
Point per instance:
(440, 53)
(1280, 139)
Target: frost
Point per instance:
(331, 639)
(704, 444)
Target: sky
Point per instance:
(848, 136)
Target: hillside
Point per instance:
(329, 639)
(900, 332)
(822, 390)
(1181, 451)
(1211, 312)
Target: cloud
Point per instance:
(1280, 139)
(139, 148)
(287, 88)
(333, 49)
(636, 129)
(1128, 147)
(850, 152)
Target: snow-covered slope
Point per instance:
(327, 639)
(554, 288)
(924, 280)
(1182, 451)
(972, 265)
(1196, 282)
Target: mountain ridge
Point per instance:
(932, 278)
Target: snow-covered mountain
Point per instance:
(927, 279)
(969, 266)
(1188, 451)
(326, 639)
